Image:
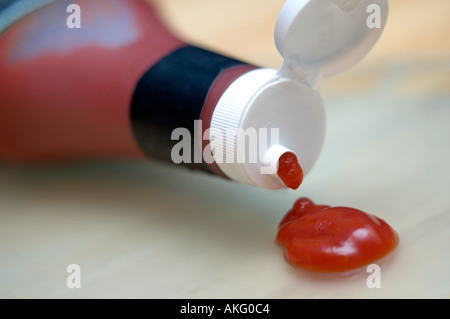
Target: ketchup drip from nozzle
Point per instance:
(289, 170)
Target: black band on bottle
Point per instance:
(171, 95)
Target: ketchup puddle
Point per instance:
(322, 238)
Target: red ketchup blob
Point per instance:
(333, 239)
(289, 170)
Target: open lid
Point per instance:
(328, 36)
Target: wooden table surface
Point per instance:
(141, 230)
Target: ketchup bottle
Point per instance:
(120, 85)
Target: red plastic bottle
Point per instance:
(67, 94)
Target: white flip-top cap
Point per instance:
(328, 36)
(314, 37)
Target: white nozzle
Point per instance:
(260, 117)
(271, 158)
